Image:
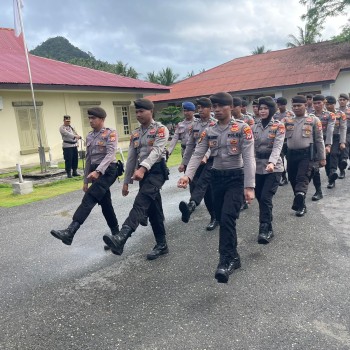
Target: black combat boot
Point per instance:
(331, 179)
(343, 164)
(342, 174)
(318, 195)
(159, 249)
(117, 242)
(301, 212)
(75, 172)
(114, 231)
(69, 174)
(299, 201)
(265, 233)
(66, 236)
(213, 223)
(226, 267)
(187, 210)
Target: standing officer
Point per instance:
(255, 106)
(146, 164)
(343, 100)
(69, 146)
(232, 145)
(184, 128)
(338, 155)
(200, 185)
(309, 104)
(305, 145)
(101, 170)
(244, 108)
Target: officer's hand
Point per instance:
(125, 190)
(322, 163)
(270, 168)
(94, 175)
(181, 168)
(183, 181)
(204, 160)
(342, 146)
(249, 194)
(77, 137)
(85, 187)
(139, 174)
(328, 149)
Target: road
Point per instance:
(290, 294)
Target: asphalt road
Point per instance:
(290, 294)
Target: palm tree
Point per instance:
(259, 50)
(306, 36)
(167, 76)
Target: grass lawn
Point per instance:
(55, 188)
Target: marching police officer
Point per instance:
(343, 100)
(146, 164)
(231, 144)
(69, 146)
(101, 171)
(305, 146)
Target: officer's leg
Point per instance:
(343, 160)
(292, 168)
(67, 155)
(108, 211)
(75, 161)
(332, 165)
(316, 178)
(301, 187)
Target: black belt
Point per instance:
(299, 151)
(262, 155)
(226, 172)
(71, 142)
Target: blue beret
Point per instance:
(188, 106)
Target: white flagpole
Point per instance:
(38, 124)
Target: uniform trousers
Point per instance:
(336, 156)
(99, 193)
(266, 186)
(200, 186)
(283, 155)
(228, 189)
(299, 168)
(70, 155)
(348, 142)
(148, 203)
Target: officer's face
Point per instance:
(236, 111)
(309, 101)
(299, 109)
(330, 107)
(95, 122)
(342, 102)
(222, 112)
(256, 109)
(66, 122)
(243, 109)
(204, 112)
(318, 106)
(144, 116)
(263, 111)
(282, 108)
(188, 114)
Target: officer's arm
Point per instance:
(342, 128)
(174, 140)
(70, 136)
(249, 164)
(111, 148)
(87, 161)
(131, 163)
(319, 143)
(190, 146)
(330, 129)
(278, 144)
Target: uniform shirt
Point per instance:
(346, 110)
(301, 132)
(147, 147)
(310, 110)
(232, 147)
(340, 126)
(248, 119)
(101, 147)
(328, 121)
(198, 127)
(68, 134)
(268, 143)
(182, 133)
(280, 116)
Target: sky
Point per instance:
(150, 35)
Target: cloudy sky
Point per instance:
(150, 35)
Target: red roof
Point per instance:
(13, 70)
(307, 64)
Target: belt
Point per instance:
(299, 151)
(262, 155)
(70, 142)
(226, 172)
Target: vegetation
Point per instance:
(170, 115)
(164, 77)
(344, 35)
(306, 36)
(259, 50)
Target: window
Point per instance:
(27, 129)
(123, 120)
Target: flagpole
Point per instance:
(38, 128)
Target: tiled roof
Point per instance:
(307, 64)
(13, 70)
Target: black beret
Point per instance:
(222, 98)
(66, 117)
(237, 101)
(144, 103)
(331, 99)
(204, 102)
(346, 96)
(255, 102)
(318, 98)
(244, 103)
(308, 96)
(299, 99)
(282, 101)
(268, 101)
(97, 112)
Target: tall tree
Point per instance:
(167, 76)
(306, 36)
(152, 77)
(259, 50)
(344, 35)
(321, 9)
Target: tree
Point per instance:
(123, 69)
(152, 77)
(259, 50)
(190, 74)
(321, 9)
(170, 115)
(306, 36)
(164, 77)
(344, 35)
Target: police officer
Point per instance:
(184, 128)
(101, 171)
(255, 106)
(268, 142)
(69, 146)
(338, 155)
(244, 108)
(309, 104)
(200, 185)
(305, 146)
(232, 145)
(327, 119)
(146, 164)
(282, 113)
(343, 100)
(237, 112)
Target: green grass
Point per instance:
(56, 188)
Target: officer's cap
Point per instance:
(244, 103)
(66, 117)
(331, 100)
(346, 96)
(237, 101)
(204, 102)
(299, 99)
(318, 98)
(268, 101)
(255, 102)
(309, 96)
(97, 112)
(189, 106)
(222, 98)
(144, 103)
(282, 101)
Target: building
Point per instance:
(60, 89)
(317, 68)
